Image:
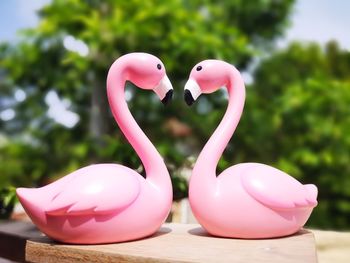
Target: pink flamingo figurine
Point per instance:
(107, 203)
(247, 200)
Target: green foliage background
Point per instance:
(297, 109)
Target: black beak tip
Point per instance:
(168, 97)
(188, 97)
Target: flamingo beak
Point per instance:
(164, 90)
(192, 91)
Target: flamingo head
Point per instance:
(148, 72)
(206, 77)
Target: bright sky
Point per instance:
(17, 14)
(312, 20)
(320, 21)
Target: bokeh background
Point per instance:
(294, 57)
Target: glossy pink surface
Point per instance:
(107, 203)
(247, 200)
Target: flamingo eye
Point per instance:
(199, 68)
(159, 66)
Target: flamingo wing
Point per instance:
(97, 189)
(277, 189)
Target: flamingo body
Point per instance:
(99, 185)
(96, 204)
(253, 200)
(276, 189)
(247, 200)
(107, 203)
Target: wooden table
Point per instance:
(332, 246)
(13, 238)
(173, 243)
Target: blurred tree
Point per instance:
(70, 52)
(296, 115)
(297, 118)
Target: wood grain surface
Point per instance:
(180, 243)
(332, 246)
(13, 238)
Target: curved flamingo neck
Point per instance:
(156, 171)
(206, 164)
